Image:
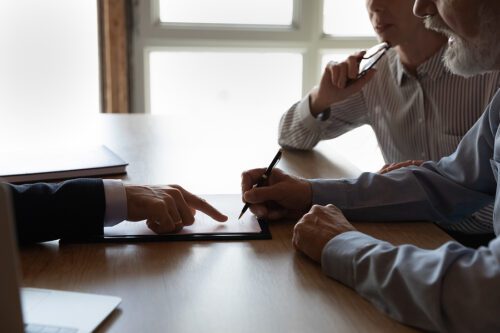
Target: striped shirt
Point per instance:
(420, 117)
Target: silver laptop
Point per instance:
(43, 310)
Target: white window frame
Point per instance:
(305, 36)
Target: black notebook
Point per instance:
(40, 165)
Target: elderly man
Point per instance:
(452, 288)
(418, 109)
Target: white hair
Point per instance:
(471, 57)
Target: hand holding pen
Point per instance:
(263, 179)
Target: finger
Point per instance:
(259, 210)
(160, 226)
(250, 178)
(194, 202)
(262, 194)
(353, 66)
(316, 209)
(304, 239)
(203, 206)
(357, 84)
(159, 214)
(342, 77)
(154, 226)
(180, 196)
(171, 207)
(296, 237)
(178, 226)
(334, 73)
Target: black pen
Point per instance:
(263, 179)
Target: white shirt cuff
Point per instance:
(116, 202)
(307, 120)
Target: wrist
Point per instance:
(316, 106)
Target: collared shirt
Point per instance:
(420, 117)
(450, 289)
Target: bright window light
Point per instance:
(346, 18)
(225, 83)
(275, 12)
(49, 61)
(338, 55)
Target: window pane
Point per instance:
(275, 12)
(338, 55)
(224, 84)
(346, 18)
(49, 60)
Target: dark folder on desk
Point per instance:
(204, 227)
(62, 163)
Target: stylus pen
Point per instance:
(263, 179)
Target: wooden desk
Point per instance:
(253, 286)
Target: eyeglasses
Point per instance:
(371, 57)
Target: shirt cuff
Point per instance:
(339, 255)
(307, 120)
(116, 202)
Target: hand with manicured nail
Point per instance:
(166, 208)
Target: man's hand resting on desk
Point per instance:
(166, 208)
(317, 228)
(284, 196)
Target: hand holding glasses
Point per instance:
(371, 57)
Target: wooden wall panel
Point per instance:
(113, 31)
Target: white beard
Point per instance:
(468, 58)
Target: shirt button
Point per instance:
(420, 120)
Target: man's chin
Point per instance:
(462, 61)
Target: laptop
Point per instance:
(43, 310)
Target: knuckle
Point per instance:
(316, 208)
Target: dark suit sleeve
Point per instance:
(73, 208)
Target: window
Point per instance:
(343, 18)
(225, 81)
(227, 56)
(49, 60)
(276, 12)
(173, 37)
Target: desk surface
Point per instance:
(252, 286)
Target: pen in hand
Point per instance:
(263, 179)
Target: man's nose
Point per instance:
(423, 8)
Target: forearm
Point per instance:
(452, 288)
(299, 129)
(52, 211)
(415, 193)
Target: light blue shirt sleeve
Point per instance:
(446, 191)
(116, 202)
(449, 289)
